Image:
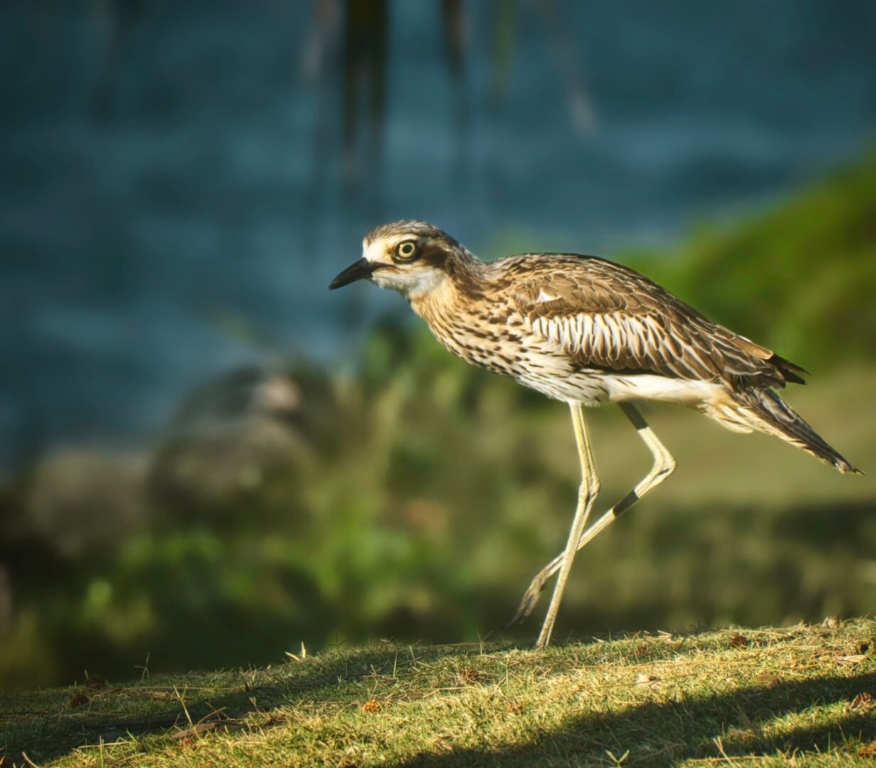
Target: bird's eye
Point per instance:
(406, 251)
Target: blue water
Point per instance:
(172, 206)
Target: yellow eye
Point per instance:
(406, 251)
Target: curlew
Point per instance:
(585, 331)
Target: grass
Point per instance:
(802, 695)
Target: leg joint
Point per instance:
(668, 464)
(590, 487)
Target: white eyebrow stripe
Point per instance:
(374, 251)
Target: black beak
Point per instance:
(356, 271)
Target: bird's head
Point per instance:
(411, 257)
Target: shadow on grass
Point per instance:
(47, 727)
(737, 724)
(51, 723)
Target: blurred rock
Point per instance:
(82, 501)
(246, 395)
(233, 436)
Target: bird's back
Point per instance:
(602, 316)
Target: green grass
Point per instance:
(743, 697)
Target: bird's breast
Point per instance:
(501, 342)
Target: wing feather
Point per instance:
(601, 315)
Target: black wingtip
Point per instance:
(790, 371)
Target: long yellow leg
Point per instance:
(664, 465)
(586, 497)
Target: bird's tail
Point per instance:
(765, 411)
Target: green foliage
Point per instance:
(801, 277)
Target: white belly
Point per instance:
(648, 386)
(594, 388)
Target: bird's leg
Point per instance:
(664, 465)
(586, 497)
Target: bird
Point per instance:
(586, 331)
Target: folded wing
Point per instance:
(608, 317)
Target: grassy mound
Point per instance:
(746, 697)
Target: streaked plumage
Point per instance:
(586, 331)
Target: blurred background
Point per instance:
(207, 460)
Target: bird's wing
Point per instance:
(605, 316)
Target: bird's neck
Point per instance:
(459, 281)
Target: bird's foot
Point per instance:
(527, 603)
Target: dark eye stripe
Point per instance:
(434, 255)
